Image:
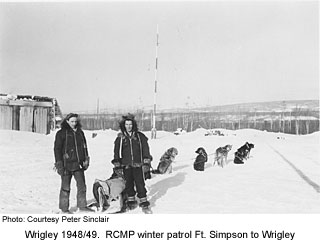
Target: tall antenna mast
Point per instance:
(98, 108)
(154, 130)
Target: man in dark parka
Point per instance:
(131, 151)
(72, 159)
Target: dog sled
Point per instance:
(109, 194)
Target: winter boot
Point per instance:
(67, 211)
(144, 204)
(132, 203)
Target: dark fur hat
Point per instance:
(128, 117)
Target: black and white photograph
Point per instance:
(159, 108)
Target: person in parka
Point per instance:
(71, 159)
(131, 151)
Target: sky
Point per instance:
(210, 53)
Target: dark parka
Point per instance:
(70, 147)
(131, 150)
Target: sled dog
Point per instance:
(201, 159)
(243, 153)
(222, 155)
(165, 164)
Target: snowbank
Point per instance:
(281, 176)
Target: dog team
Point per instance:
(221, 156)
(113, 188)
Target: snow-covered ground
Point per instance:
(282, 174)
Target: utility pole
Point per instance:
(96, 126)
(154, 130)
(97, 108)
(54, 104)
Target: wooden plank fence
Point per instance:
(25, 116)
(297, 124)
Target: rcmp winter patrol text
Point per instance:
(55, 219)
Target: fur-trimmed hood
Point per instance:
(128, 117)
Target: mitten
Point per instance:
(58, 166)
(118, 171)
(146, 168)
(147, 161)
(86, 163)
(116, 163)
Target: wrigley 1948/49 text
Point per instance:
(80, 234)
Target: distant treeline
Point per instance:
(293, 122)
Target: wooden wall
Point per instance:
(5, 117)
(26, 119)
(40, 119)
(30, 117)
